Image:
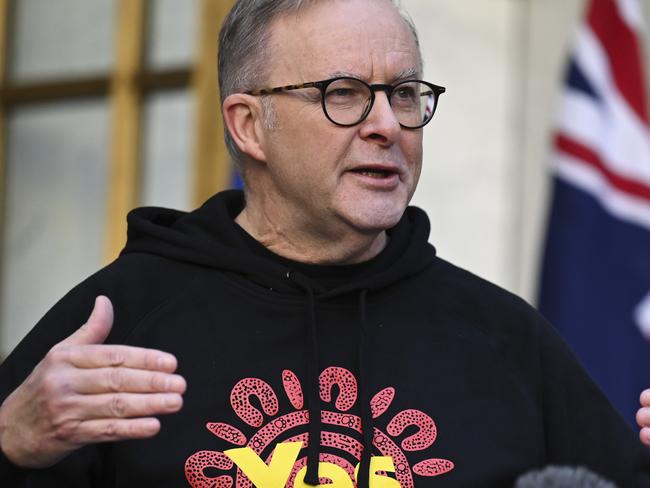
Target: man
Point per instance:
(312, 310)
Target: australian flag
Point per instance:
(595, 283)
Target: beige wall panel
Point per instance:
(471, 48)
(550, 27)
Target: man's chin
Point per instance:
(376, 222)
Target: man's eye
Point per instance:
(405, 93)
(341, 92)
(343, 97)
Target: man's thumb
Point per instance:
(98, 325)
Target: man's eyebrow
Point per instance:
(406, 74)
(338, 74)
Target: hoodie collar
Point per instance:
(209, 237)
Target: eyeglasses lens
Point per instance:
(347, 102)
(413, 103)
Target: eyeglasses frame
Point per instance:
(322, 85)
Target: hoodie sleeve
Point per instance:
(10, 473)
(582, 427)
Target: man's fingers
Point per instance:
(106, 430)
(127, 405)
(97, 327)
(102, 356)
(643, 417)
(644, 435)
(105, 380)
(645, 398)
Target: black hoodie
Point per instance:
(459, 382)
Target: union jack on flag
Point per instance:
(595, 283)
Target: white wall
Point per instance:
(485, 179)
(470, 47)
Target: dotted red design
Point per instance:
(227, 433)
(292, 389)
(271, 431)
(198, 462)
(381, 401)
(433, 467)
(387, 447)
(241, 403)
(343, 419)
(423, 438)
(272, 428)
(347, 384)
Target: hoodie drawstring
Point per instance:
(313, 390)
(313, 396)
(313, 382)
(367, 426)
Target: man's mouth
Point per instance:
(374, 172)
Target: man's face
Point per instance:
(336, 179)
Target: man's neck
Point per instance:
(301, 246)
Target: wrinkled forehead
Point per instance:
(366, 38)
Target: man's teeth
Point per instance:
(374, 173)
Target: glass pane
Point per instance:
(55, 213)
(167, 170)
(62, 38)
(172, 32)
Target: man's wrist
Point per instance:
(5, 452)
(10, 472)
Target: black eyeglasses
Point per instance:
(347, 101)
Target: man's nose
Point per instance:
(381, 124)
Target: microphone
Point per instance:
(562, 477)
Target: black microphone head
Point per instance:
(562, 477)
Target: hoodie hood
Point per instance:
(209, 237)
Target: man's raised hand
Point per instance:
(85, 392)
(643, 417)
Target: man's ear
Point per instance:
(242, 115)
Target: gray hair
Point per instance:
(243, 53)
